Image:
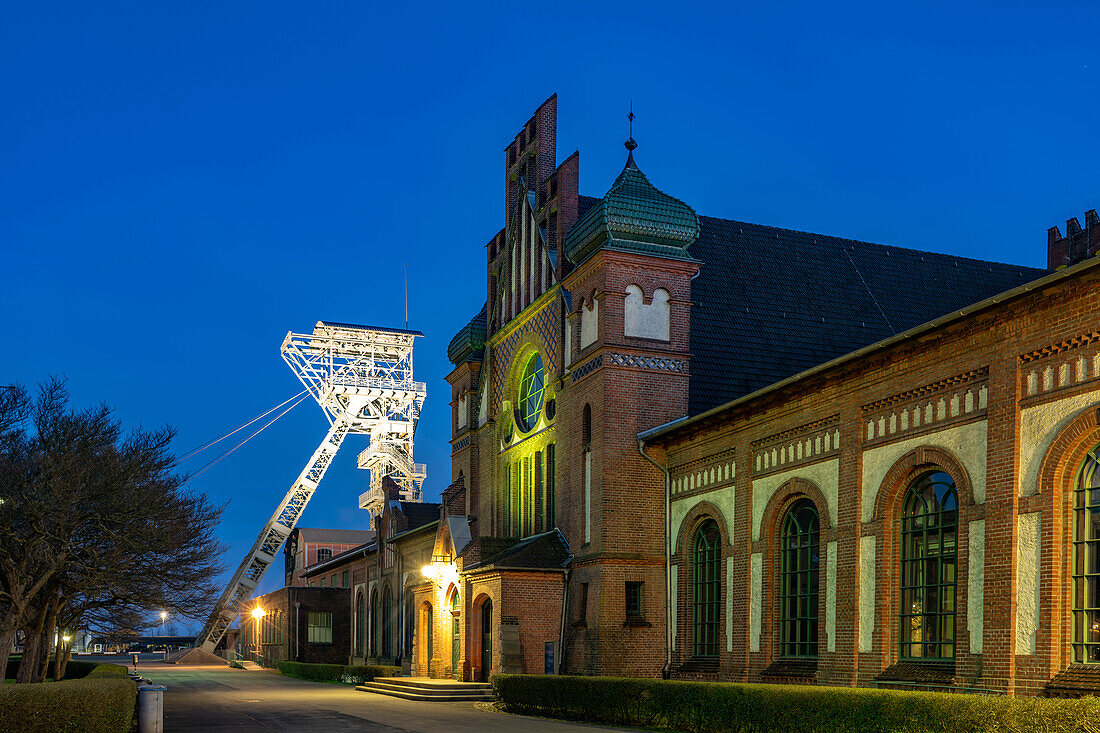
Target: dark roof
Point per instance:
(770, 303)
(633, 215)
(469, 343)
(336, 536)
(420, 513)
(584, 203)
(548, 551)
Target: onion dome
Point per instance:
(634, 216)
(469, 343)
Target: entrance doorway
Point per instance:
(486, 640)
(428, 639)
(456, 636)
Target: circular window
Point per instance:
(530, 393)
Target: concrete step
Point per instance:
(433, 684)
(426, 693)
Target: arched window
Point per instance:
(586, 428)
(798, 581)
(374, 624)
(360, 625)
(530, 393)
(929, 526)
(387, 634)
(1086, 562)
(707, 590)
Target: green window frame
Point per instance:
(929, 562)
(319, 627)
(799, 571)
(344, 580)
(634, 599)
(707, 590)
(531, 387)
(1085, 578)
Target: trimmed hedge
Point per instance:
(349, 673)
(712, 707)
(91, 705)
(75, 670)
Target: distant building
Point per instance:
(308, 546)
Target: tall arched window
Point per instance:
(930, 517)
(360, 625)
(374, 624)
(798, 580)
(707, 590)
(1086, 562)
(387, 631)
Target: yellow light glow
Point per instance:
(427, 571)
(258, 613)
(65, 639)
(163, 615)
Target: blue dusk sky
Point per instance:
(181, 184)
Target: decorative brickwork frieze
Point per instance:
(587, 368)
(798, 446)
(705, 474)
(461, 443)
(654, 363)
(958, 399)
(1050, 372)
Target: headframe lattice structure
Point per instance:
(362, 377)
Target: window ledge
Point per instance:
(636, 621)
(580, 625)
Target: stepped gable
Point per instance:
(770, 303)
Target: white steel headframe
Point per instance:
(362, 377)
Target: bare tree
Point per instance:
(100, 531)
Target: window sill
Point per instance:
(580, 625)
(636, 621)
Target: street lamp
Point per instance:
(257, 613)
(163, 616)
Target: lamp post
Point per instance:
(257, 614)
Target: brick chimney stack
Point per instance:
(1077, 245)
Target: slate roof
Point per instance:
(336, 536)
(633, 215)
(469, 343)
(420, 513)
(546, 551)
(769, 303)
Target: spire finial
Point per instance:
(630, 144)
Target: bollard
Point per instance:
(151, 708)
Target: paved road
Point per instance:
(209, 699)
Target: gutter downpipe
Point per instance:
(666, 672)
(564, 605)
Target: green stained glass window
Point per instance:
(530, 393)
(799, 563)
(707, 591)
(1086, 562)
(929, 525)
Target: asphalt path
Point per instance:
(221, 699)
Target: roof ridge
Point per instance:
(870, 244)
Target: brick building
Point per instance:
(379, 577)
(299, 624)
(787, 387)
(308, 546)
